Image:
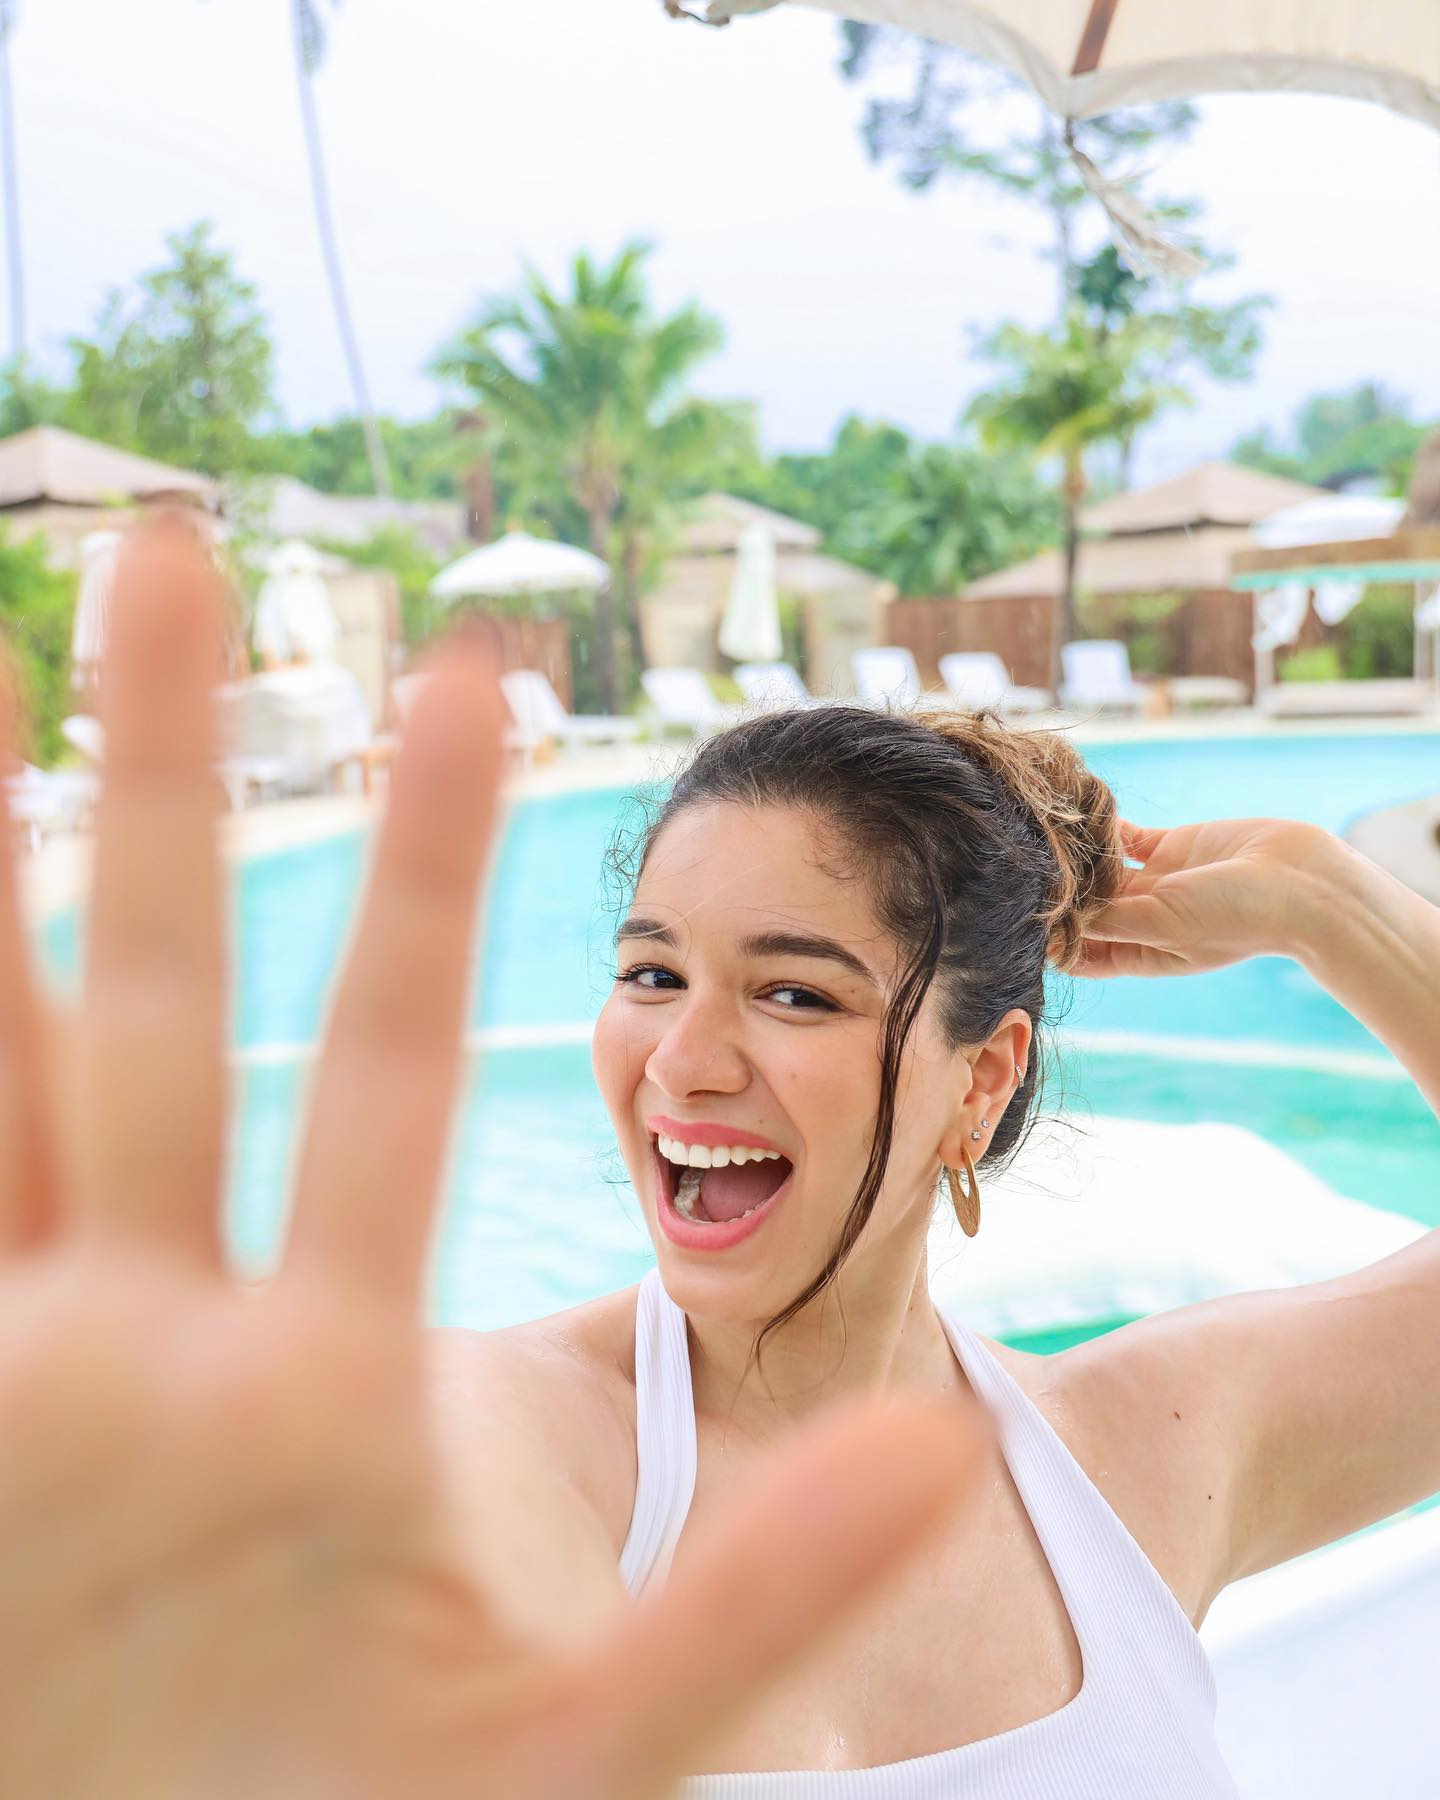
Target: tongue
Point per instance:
(728, 1192)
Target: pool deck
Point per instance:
(58, 875)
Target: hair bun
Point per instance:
(1072, 806)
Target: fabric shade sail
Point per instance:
(1090, 56)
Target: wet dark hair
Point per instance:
(982, 847)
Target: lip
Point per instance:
(686, 1234)
(695, 1133)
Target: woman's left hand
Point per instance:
(1207, 896)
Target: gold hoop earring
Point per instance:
(966, 1204)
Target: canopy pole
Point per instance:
(1092, 40)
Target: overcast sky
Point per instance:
(468, 136)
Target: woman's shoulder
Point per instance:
(1146, 1441)
(558, 1389)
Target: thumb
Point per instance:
(1136, 919)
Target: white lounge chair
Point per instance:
(770, 687)
(976, 678)
(44, 800)
(684, 701)
(540, 713)
(241, 773)
(886, 675)
(1097, 673)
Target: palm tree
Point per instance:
(310, 42)
(9, 10)
(1069, 392)
(588, 382)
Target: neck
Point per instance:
(874, 1330)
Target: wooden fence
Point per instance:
(1206, 634)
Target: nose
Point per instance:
(698, 1052)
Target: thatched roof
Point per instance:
(1212, 493)
(1175, 537)
(718, 522)
(1153, 562)
(47, 463)
(291, 509)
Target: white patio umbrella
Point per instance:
(520, 564)
(1089, 56)
(750, 630)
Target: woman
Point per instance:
(269, 1545)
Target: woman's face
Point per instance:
(748, 1012)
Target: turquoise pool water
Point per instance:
(539, 1215)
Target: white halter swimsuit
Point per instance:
(1142, 1726)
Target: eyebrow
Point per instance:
(760, 943)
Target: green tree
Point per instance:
(949, 515)
(37, 605)
(1066, 393)
(1365, 430)
(309, 40)
(423, 456)
(581, 382)
(963, 118)
(183, 369)
(830, 488)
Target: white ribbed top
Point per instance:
(1142, 1726)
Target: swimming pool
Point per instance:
(539, 1213)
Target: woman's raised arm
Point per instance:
(228, 1562)
(1311, 1411)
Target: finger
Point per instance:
(1140, 841)
(27, 1174)
(814, 1537)
(1132, 919)
(149, 1054)
(384, 1089)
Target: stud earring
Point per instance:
(966, 1203)
(975, 1135)
(984, 1124)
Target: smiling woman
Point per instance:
(404, 1564)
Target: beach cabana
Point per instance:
(1177, 538)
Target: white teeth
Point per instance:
(711, 1156)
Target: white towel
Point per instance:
(1279, 614)
(1333, 599)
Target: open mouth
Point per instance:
(725, 1199)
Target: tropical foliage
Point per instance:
(589, 388)
(36, 606)
(1365, 431)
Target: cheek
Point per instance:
(618, 1052)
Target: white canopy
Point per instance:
(520, 564)
(1088, 56)
(1329, 519)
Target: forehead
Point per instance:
(723, 867)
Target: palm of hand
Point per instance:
(227, 1564)
(1206, 896)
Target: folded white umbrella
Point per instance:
(750, 630)
(1089, 56)
(520, 564)
(98, 551)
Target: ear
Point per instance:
(993, 1083)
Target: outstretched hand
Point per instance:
(227, 1563)
(1205, 896)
